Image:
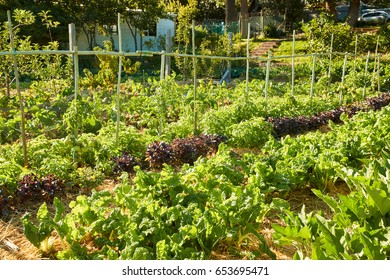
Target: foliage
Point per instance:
(108, 65)
(164, 216)
(319, 32)
(251, 133)
(359, 228)
(182, 150)
(141, 15)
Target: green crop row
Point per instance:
(221, 201)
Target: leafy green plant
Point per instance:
(252, 133)
(359, 226)
(108, 65)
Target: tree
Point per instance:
(353, 12)
(292, 8)
(230, 12)
(141, 15)
(354, 9)
(210, 9)
(244, 18)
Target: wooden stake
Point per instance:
(267, 74)
(21, 105)
(118, 87)
(293, 65)
(247, 59)
(194, 65)
(313, 75)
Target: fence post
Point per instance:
(230, 37)
(344, 68)
(330, 56)
(365, 74)
(73, 48)
(194, 65)
(21, 105)
(293, 65)
(267, 74)
(313, 74)
(375, 61)
(162, 67)
(343, 77)
(379, 73)
(168, 49)
(354, 63)
(247, 60)
(118, 87)
(72, 40)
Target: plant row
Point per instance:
(289, 126)
(94, 157)
(221, 201)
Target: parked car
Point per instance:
(378, 17)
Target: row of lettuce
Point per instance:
(166, 108)
(221, 202)
(86, 160)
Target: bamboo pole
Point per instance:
(162, 67)
(118, 87)
(168, 49)
(267, 74)
(379, 73)
(354, 62)
(344, 69)
(293, 65)
(194, 65)
(148, 53)
(375, 61)
(76, 86)
(230, 38)
(365, 74)
(313, 75)
(247, 60)
(330, 56)
(21, 105)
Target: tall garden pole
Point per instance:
(354, 63)
(21, 105)
(344, 69)
(162, 67)
(247, 59)
(267, 74)
(118, 87)
(230, 37)
(330, 56)
(293, 65)
(379, 72)
(168, 49)
(365, 74)
(313, 75)
(194, 65)
(375, 60)
(343, 77)
(73, 48)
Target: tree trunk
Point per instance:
(353, 13)
(91, 36)
(230, 13)
(134, 34)
(244, 19)
(330, 6)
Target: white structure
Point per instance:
(153, 40)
